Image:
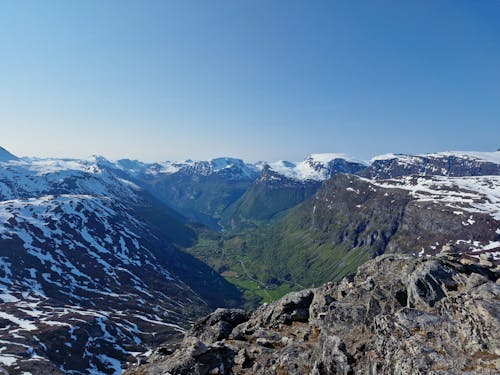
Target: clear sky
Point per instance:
(256, 79)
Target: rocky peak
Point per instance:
(229, 168)
(396, 315)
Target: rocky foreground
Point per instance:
(396, 315)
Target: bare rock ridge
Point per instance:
(396, 315)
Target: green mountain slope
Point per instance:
(265, 199)
(347, 222)
(322, 239)
(326, 237)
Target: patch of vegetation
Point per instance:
(322, 239)
(263, 202)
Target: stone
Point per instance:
(241, 358)
(466, 261)
(396, 315)
(196, 347)
(264, 342)
(218, 325)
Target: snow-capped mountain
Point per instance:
(214, 190)
(84, 285)
(317, 167)
(320, 167)
(26, 178)
(90, 273)
(282, 185)
(200, 190)
(456, 163)
(230, 168)
(90, 269)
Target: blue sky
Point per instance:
(259, 79)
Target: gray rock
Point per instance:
(218, 325)
(397, 315)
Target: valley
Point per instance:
(250, 187)
(106, 260)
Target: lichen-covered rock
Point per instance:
(396, 315)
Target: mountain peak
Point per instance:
(6, 155)
(328, 157)
(225, 162)
(318, 167)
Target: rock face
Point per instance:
(396, 315)
(410, 213)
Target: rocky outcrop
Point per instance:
(396, 315)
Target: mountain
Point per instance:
(102, 260)
(318, 167)
(200, 190)
(6, 155)
(283, 185)
(352, 219)
(271, 194)
(92, 272)
(80, 276)
(438, 164)
(210, 192)
(396, 315)
(239, 195)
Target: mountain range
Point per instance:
(100, 261)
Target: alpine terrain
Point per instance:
(91, 274)
(384, 266)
